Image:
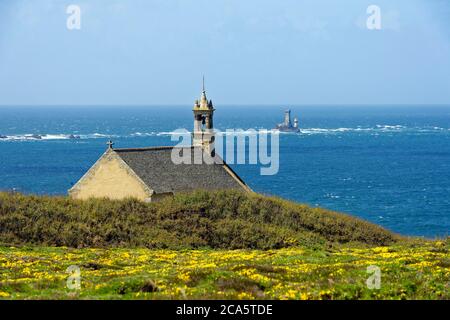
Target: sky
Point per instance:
(252, 52)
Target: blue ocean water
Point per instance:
(388, 165)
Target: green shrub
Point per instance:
(222, 219)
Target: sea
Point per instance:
(386, 164)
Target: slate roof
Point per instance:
(156, 169)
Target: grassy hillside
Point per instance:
(220, 245)
(409, 270)
(218, 220)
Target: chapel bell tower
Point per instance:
(203, 135)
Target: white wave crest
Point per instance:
(39, 137)
(377, 130)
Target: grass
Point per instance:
(411, 270)
(219, 245)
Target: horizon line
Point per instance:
(283, 105)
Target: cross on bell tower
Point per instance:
(110, 144)
(203, 134)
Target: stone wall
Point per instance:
(110, 178)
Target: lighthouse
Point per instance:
(287, 126)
